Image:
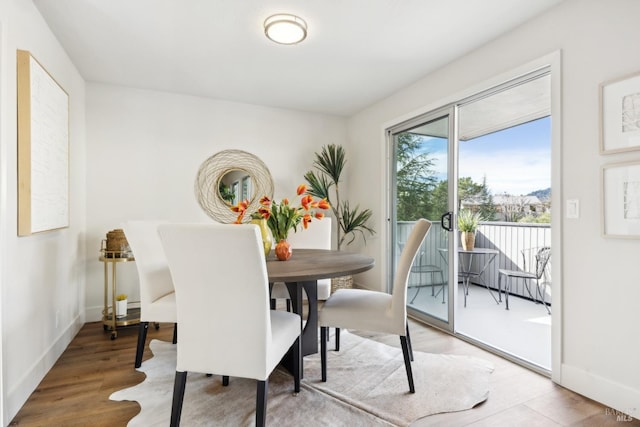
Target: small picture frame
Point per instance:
(620, 115)
(621, 200)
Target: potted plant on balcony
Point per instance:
(468, 222)
(324, 183)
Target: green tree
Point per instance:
(415, 178)
(467, 190)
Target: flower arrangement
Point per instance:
(284, 216)
(121, 297)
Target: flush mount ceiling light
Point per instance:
(285, 28)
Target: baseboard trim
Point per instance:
(18, 395)
(618, 397)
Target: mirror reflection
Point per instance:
(236, 185)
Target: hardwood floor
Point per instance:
(76, 390)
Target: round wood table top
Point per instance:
(313, 264)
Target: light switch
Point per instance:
(573, 209)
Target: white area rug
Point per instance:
(367, 386)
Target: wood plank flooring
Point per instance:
(76, 390)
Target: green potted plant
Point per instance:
(324, 183)
(468, 222)
(121, 305)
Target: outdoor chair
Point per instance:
(535, 262)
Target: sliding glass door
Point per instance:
(422, 168)
(486, 155)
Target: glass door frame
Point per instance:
(449, 112)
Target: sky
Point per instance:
(516, 160)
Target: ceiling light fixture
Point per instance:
(285, 28)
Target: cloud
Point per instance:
(513, 172)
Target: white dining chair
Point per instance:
(368, 310)
(316, 236)
(157, 297)
(222, 295)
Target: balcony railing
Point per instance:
(508, 238)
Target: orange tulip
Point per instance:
(319, 215)
(323, 204)
(306, 220)
(306, 202)
(265, 201)
(302, 188)
(264, 212)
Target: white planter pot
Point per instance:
(121, 308)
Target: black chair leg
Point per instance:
(337, 339)
(142, 338)
(409, 343)
(407, 363)
(323, 352)
(273, 304)
(297, 364)
(178, 397)
(225, 380)
(261, 403)
(175, 333)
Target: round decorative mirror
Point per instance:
(229, 177)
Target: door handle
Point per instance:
(447, 220)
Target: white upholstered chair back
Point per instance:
(316, 236)
(222, 297)
(153, 270)
(403, 269)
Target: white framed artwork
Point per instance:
(620, 115)
(621, 200)
(43, 149)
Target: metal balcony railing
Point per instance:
(509, 238)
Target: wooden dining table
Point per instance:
(302, 271)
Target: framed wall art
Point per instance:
(620, 115)
(43, 149)
(621, 200)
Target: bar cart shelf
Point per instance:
(110, 322)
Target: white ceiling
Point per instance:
(357, 51)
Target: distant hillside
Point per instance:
(543, 195)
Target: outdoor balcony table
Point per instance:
(466, 269)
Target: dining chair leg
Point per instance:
(409, 343)
(261, 403)
(225, 380)
(323, 352)
(178, 397)
(337, 339)
(175, 333)
(297, 363)
(407, 363)
(142, 338)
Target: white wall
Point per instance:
(600, 292)
(42, 276)
(144, 149)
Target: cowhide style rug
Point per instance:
(366, 385)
